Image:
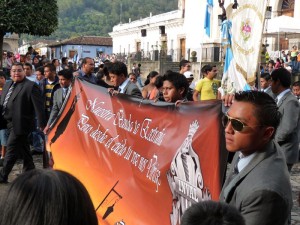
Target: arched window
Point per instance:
(287, 7)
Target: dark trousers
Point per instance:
(17, 147)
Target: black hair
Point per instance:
(47, 197)
(283, 75)
(183, 63)
(64, 60)
(54, 60)
(84, 60)
(178, 80)
(118, 68)
(51, 67)
(212, 213)
(159, 82)
(28, 64)
(150, 75)
(266, 111)
(2, 74)
(66, 73)
(265, 76)
(207, 68)
(40, 69)
(297, 83)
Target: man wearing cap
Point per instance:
(208, 86)
(190, 77)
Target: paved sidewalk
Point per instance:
(295, 181)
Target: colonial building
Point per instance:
(10, 42)
(180, 33)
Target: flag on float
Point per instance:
(242, 39)
(209, 7)
(232, 81)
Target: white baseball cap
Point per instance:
(188, 74)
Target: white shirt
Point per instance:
(281, 95)
(123, 85)
(245, 160)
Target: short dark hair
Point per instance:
(296, 84)
(118, 68)
(207, 68)
(183, 63)
(64, 60)
(56, 195)
(2, 74)
(54, 60)
(283, 75)
(28, 64)
(84, 60)
(212, 213)
(51, 67)
(266, 110)
(40, 69)
(265, 76)
(66, 73)
(178, 80)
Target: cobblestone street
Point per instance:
(295, 181)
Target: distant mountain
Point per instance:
(97, 17)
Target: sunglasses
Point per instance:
(236, 124)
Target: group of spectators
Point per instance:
(261, 127)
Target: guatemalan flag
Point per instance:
(241, 39)
(209, 7)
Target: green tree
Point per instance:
(27, 17)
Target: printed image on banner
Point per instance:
(141, 162)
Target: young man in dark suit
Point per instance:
(65, 80)
(21, 101)
(258, 184)
(288, 105)
(119, 77)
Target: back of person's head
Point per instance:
(47, 197)
(118, 68)
(183, 62)
(212, 213)
(265, 76)
(159, 82)
(178, 80)
(66, 73)
(283, 75)
(266, 110)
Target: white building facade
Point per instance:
(179, 33)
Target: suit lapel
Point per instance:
(18, 88)
(229, 187)
(283, 98)
(5, 90)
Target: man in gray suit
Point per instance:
(119, 77)
(65, 78)
(258, 184)
(288, 105)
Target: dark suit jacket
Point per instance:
(287, 131)
(262, 190)
(27, 102)
(133, 90)
(57, 104)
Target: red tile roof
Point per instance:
(85, 40)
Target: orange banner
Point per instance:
(142, 162)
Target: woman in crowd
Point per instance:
(47, 197)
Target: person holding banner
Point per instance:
(119, 77)
(175, 87)
(258, 184)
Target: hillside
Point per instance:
(97, 17)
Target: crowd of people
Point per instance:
(261, 128)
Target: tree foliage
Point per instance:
(35, 17)
(97, 17)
